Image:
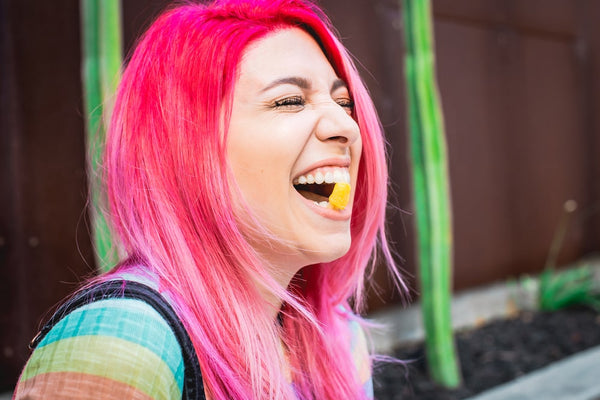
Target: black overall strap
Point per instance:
(193, 387)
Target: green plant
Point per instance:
(101, 60)
(431, 192)
(561, 289)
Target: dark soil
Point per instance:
(493, 354)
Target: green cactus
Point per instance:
(101, 62)
(431, 193)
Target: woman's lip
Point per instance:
(343, 162)
(336, 215)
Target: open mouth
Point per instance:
(315, 192)
(318, 185)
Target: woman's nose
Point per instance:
(336, 124)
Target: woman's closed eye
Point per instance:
(294, 102)
(346, 103)
(291, 102)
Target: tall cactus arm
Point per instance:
(101, 60)
(431, 193)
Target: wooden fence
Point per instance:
(520, 85)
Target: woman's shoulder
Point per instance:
(355, 325)
(361, 356)
(118, 346)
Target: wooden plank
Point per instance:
(553, 17)
(47, 248)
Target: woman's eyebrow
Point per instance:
(302, 83)
(338, 83)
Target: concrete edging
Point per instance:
(573, 378)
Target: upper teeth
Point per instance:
(336, 175)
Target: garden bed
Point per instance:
(493, 354)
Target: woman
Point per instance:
(232, 123)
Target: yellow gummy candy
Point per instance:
(340, 196)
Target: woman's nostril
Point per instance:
(342, 139)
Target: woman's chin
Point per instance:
(333, 251)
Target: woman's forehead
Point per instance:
(289, 52)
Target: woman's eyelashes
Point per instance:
(347, 104)
(290, 102)
(298, 102)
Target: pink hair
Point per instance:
(167, 181)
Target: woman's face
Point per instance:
(291, 122)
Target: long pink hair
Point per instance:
(168, 189)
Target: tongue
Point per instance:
(312, 196)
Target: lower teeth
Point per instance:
(324, 204)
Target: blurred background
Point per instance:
(520, 88)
